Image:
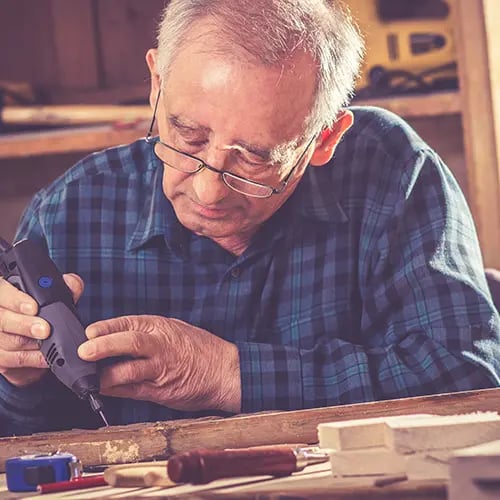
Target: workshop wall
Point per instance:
(92, 51)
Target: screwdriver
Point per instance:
(28, 267)
(201, 466)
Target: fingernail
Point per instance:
(86, 350)
(91, 332)
(28, 308)
(39, 330)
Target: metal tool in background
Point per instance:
(28, 267)
(410, 46)
(26, 472)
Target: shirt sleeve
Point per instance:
(427, 321)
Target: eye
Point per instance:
(253, 161)
(196, 143)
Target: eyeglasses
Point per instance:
(189, 164)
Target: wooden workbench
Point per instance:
(314, 482)
(156, 441)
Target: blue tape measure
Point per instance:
(26, 472)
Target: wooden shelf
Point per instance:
(418, 106)
(84, 139)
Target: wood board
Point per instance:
(160, 440)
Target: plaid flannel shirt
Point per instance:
(367, 283)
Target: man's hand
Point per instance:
(21, 361)
(174, 364)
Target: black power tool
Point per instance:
(28, 267)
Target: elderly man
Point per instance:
(268, 250)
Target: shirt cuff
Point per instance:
(271, 377)
(23, 410)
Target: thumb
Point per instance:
(75, 284)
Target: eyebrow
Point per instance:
(262, 152)
(177, 122)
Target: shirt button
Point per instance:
(236, 272)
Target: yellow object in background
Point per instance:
(409, 44)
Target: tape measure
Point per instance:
(26, 472)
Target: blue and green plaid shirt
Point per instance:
(367, 284)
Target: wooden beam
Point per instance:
(160, 440)
(417, 106)
(67, 140)
(478, 45)
(77, 114)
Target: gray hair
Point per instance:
(271, 31)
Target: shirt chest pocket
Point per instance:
(304, 328)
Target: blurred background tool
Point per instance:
(409, 46)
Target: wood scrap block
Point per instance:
(360, 433)
(369, 462)
(475, 472)
(441, 432)
(382, 461)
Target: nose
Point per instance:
(208, 185)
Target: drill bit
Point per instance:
(103, 417)
(97, 406)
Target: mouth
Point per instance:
(210, 212)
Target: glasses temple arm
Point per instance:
(150, 131)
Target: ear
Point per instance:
(330, 137)
(151, 57)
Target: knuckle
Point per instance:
(136, 342)
(21, 343)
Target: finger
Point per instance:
(113, 325)
(13, 299)
(75, 284)
(126, 373)
(20, 324)
(22, 359)
(114, 344)
(9, 342)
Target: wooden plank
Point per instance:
(478, 44)
(67, 140)
(416, 106)
(127, 30)
(77, 114)
(160, 440)
(75, 50)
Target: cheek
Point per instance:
(173, 181)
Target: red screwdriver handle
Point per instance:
(202, 466)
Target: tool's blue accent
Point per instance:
(26, 472)
(45, 281)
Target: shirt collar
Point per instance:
(157, 217)
(315, 197)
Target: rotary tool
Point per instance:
(28, 267)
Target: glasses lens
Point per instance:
(176, 160)
(247, 187)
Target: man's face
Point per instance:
(234, 115)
